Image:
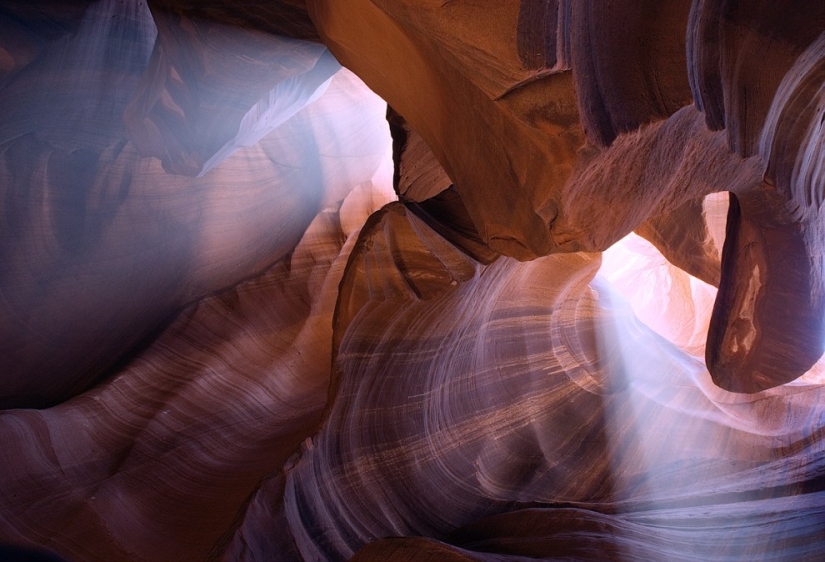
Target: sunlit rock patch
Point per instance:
(556, 293)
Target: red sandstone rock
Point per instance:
(454, 377)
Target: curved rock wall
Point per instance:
(250, 312)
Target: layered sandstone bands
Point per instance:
(224, 338)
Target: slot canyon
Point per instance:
(412, 280)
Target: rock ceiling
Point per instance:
(557, 293)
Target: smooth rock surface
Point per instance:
(249, 311)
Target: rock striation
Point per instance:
(557, 293)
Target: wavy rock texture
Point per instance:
(418, 176)
(184, 432)
(223, 338)
(570, 143)
(551, 395)
(156, 463)
(101, 245)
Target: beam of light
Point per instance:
(694, 465)
(174, 160)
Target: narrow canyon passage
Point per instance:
(412, 280)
